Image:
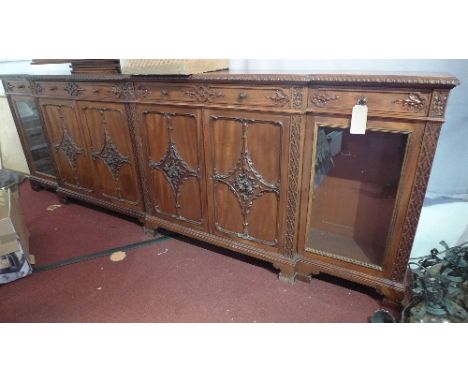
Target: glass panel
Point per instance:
(355, 188)
(32, 128)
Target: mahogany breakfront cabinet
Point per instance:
(263, 164)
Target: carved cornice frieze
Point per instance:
(142, 92)
(73, 89)
(35, 88)
(413, 102)
(279, 97)
(321, 98)
(123, 90)
(203, 93)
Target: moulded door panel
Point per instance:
(173, 156)
(69, 145)
(112, 153)
(246, 158)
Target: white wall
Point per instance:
(449, 177)
(11, 152)
(24, 67)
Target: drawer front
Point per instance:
(17, 86)
(86, 90)
(398, 102)
(264, 96)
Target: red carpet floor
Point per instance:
(175, 280)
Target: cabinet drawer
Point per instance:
(86, 90)
(265, 96)
(397, 102)
(17, 86)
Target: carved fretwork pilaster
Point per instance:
(176, 170)
(426, 156)
(293, 182)
(245, 181)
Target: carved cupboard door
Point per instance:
(112, 153)
(247, 166)
(69, 145)
(173, 158)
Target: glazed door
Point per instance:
(173, 157)
(359, 186)
(113, 158)
(69, 145)
(246, 155)
(33, 137)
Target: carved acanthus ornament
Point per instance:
(68, 146)
(73, 89)
(321, 98)
(203, 93)
(279, 97)
(246, 183)
(109, 153)
(414, 102)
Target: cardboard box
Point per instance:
(14, 238)
(172, 66)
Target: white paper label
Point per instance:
(359, 119)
